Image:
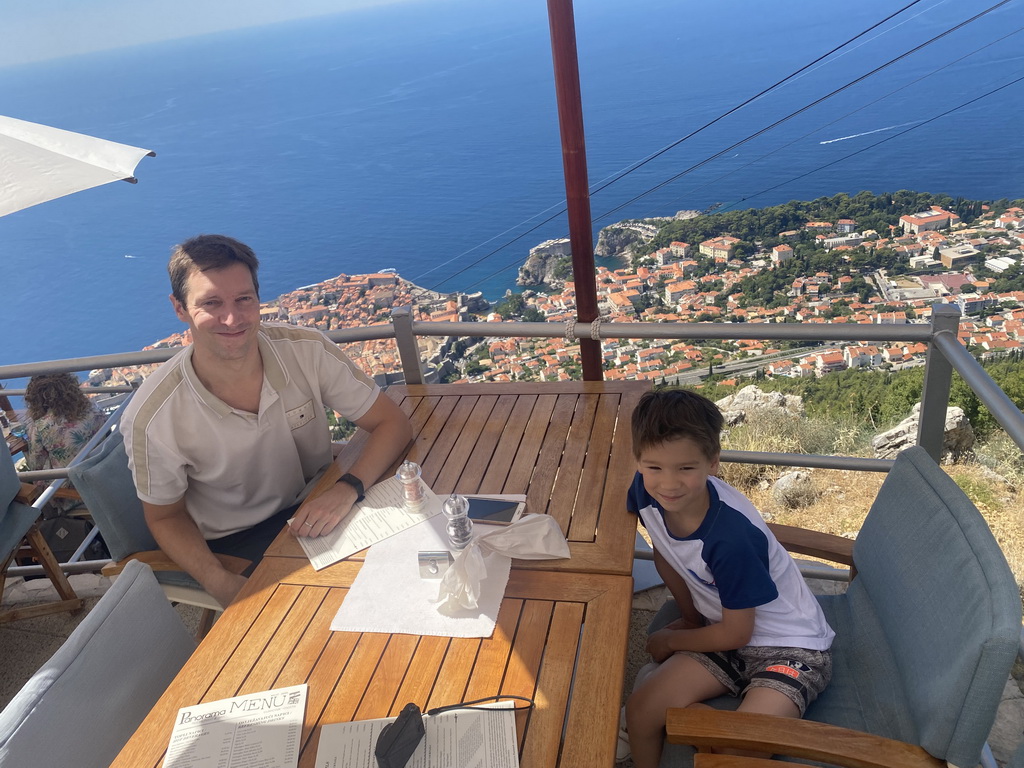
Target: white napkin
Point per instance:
(532, 537)
(389, 596)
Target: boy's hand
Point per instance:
(659, 644)
(683, 623)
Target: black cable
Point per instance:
(471, 705)
(834, 162)
(803, 109)
(882, 141)
(676, 143)
(848, 114)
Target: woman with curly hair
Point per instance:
(61, 419)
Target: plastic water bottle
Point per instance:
(460, 527)
(412, 488)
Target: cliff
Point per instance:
(544, 265)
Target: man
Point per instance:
(224, 438)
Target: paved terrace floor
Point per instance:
(25, 645)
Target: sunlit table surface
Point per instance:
(560, 640)
(565, 445)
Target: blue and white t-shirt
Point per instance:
(734, 561)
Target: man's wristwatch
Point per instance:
(349, 479)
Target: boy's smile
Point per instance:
(675, 473)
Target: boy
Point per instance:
(749, 625)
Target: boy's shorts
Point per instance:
(798, 673)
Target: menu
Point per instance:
(484, 736)
(378, 516)
(257, 730)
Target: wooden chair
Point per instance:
(19, 534)
(104, 482)
(926, 635)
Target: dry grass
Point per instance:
(994, 481)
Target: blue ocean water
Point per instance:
(424, 137)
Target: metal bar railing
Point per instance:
(940, 336)
(823, 332)
(999, 405)
(99, 390)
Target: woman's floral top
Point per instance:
(53, 443)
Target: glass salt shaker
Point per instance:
(460, 527)
(412, 489)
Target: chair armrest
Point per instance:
(28, 493)
(703, 728)
(710, 760)
(803, 541)
(158, 561)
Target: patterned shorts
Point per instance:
(798, 673)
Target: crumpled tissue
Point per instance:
(532, 537)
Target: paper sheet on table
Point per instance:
(257, 730)
(378, 516)
(464, 737)
(389, 596)
(464, 584)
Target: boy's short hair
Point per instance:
(670, 414)
(206, 252)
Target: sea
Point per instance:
(424, 137)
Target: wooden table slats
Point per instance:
(566, 446)
(554, 635)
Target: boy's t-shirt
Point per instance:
(734, 561)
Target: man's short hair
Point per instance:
(670, 414)
(205, 252)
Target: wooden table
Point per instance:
(566, 445)
(16, 444)
(562, 627)
(557, 633)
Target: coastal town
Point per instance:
(939, 258)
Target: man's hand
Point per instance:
(225, 587)
(320, 516)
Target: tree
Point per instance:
(511, 306)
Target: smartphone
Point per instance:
(494, 511)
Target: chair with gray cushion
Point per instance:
(104, 481)
(926, 635)
(19, 530)
(84, 704)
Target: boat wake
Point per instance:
(868, 133)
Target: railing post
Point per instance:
(938, 374)
(408, 349)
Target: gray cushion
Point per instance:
(15, 518)
(105, 484)
(84, 704)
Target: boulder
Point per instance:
(958, 438)
(795, 489)
(735, 408)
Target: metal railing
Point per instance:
(945, 354)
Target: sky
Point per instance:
(50, 29)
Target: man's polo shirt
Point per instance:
(234, 468)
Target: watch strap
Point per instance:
(349, 479)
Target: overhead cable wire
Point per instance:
(848, 114)
(639, 164)
(834, 162)
(803, 109)
(880, 141)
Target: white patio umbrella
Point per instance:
(40, 163)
